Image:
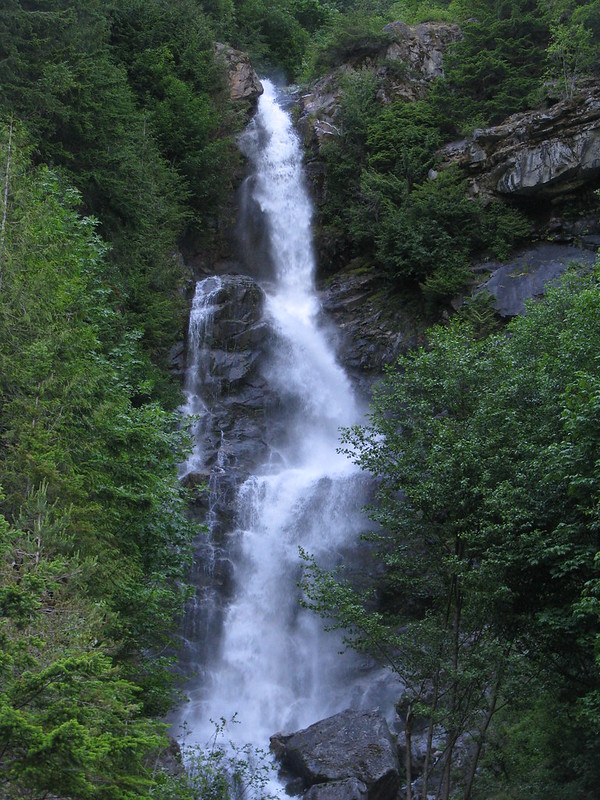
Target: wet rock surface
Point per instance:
(371, 331)
(350, 789)
(236, 393)
(340, 753)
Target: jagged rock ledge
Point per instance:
(537, 154)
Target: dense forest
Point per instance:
(117, 146)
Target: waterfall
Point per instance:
(198, 377)
(273, 667)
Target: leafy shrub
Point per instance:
(222, 770)
(416, 11)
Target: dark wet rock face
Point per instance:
(371, 333)
(237, 397)
(341, 754)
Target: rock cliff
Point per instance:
(234, 439)
(371, 334)
(528, 273)
(539, 154)
(404, 66)
(244, 83)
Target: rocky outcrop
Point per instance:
(236, 395)
(244, 84)
(538, 154)
(421, 47)
(371, 333)
(404, 65)
(340, 755)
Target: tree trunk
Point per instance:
(454, 731)
(408, 758)
(436, 692)
(5, 197)
(486, 724)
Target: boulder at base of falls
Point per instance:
(338, 754)
(350, 789)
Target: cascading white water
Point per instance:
(276, 668)
(198, 370)
(201, 620)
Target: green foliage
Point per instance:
(416, 11)
(277, 35)
(574, 44)
(222, 15)
(345, 154)
(169, 56)
(479, 313)
(130, 103)
(486, 454)
(431, 233)
(78, 419)
(402, 140)
(346, 38)
(70, 723)
(497, 65)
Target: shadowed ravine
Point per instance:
(270, 663)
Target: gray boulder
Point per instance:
(352, 746)
(529, 273)
(349, 789)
